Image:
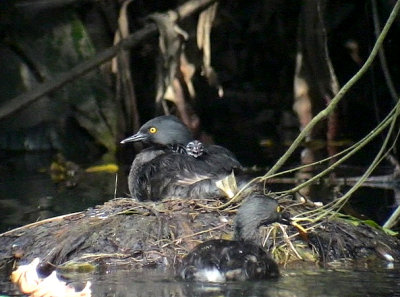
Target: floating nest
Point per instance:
(127, 233)
(328, 237)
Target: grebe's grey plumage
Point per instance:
(163, 170)
(220, 260)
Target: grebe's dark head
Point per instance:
(163, 130)
(256, 211)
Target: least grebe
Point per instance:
(220, 260)
(173, 164)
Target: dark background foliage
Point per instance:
(254, 45)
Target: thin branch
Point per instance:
(382, 57)
(393, 219)
(14, 105)
(333, 207)
(45, 221)
(355, 148)
(325, 112)
(378, 158)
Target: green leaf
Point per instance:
(371, 223)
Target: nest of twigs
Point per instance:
(124, 232)
(321, 234)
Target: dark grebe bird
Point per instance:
(220, 260)
(175, 165)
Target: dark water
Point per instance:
(300, 283)
(378, 281)
(28, 194)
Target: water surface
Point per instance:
(378, 281)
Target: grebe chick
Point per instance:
(195, 148)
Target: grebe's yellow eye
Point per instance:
(278, 209)
(152, 130)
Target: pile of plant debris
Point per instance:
(127, 233)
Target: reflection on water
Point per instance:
(380, 282)
(28, 194)
(307, 283)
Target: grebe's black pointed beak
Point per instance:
(136, 137)
(285, 218)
